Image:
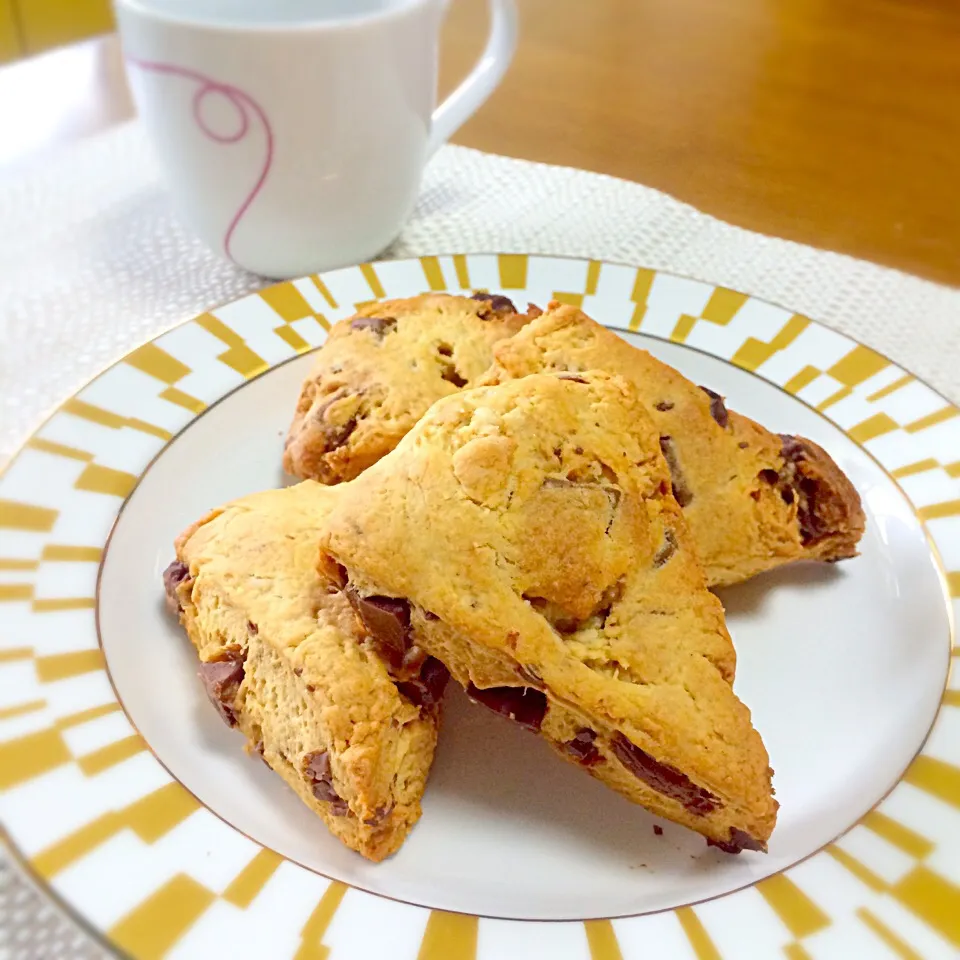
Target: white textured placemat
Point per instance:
(93, 262)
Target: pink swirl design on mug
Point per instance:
(244, 105)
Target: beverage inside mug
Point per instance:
(293, 135)
(240, 13)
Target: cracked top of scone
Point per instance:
(753, 499)
(536, 521)
(379, 371)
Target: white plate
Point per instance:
(125, 793)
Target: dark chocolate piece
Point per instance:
(682, 493)
(782, 481)
(387, 619)
(717, 409)
(378, 326)
(739, 840)
(807, 490)
(428, 688)
(452, 375)
(222, 679)
(664, 405)
(524, 705)
(792, 449)
(335, 434)
(663, 778)
(317, 765)
(316, 769)
(173, 576)
(583, 749)
(496, 300)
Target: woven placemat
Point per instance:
(95, 262)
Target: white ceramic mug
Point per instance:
(293, 133)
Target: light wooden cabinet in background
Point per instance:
(9, 34)
(31, 26)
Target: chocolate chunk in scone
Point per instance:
(753, 500)
(175, 574)
(526, 536)
(378, 372)
(286, 660)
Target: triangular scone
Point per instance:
(284, 659)
(379, 371)
(754, 500)
(526, 536)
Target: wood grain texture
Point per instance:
(11, 43)
(831, 122)
(47, 23)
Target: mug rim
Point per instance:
(146, 10)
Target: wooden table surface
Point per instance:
(831, 122)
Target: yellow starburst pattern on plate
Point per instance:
(157, 390)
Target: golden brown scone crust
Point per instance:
(754, 500)
(311, 684)
(379, 371)
(531, 529)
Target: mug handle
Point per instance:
(482, 80)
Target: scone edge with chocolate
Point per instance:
(379, 371)
(754, 500)
(564, 593)
(284, 660)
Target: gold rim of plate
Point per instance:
(146, 399)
